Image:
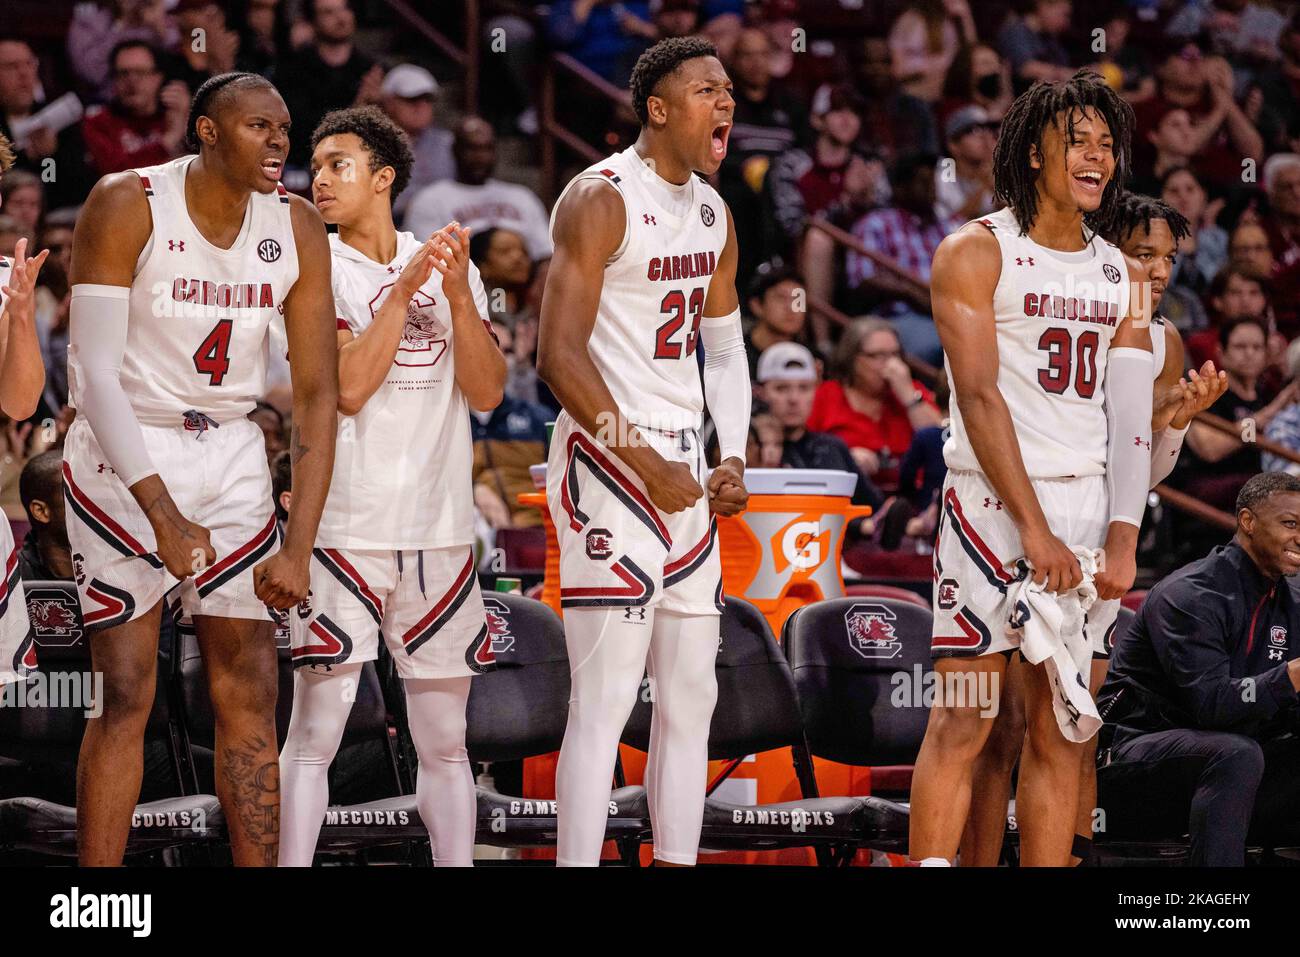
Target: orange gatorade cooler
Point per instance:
(783, 551)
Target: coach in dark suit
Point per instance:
(1201, 700)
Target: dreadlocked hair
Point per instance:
(1135, 211)
(659, 61)
(1023, 127)
(211, 90)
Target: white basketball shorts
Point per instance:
(618, 550)
(978, 556)
(218, 478)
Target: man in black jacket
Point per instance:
(1201, 698)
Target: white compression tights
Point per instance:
(444, 785)
(607, 656)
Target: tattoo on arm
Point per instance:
(295, 444)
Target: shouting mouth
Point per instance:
(272, 167)
(718, 142)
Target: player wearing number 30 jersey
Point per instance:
(1045, 333)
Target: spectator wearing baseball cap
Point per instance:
(787, 383)
(963, 180)
(408, 94)
(780, 315)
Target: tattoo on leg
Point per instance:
(254, 787)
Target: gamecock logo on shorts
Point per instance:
(1277, 636)
(870, 628)
(947, 594)
(56, 622)
(600, 544)
(498, 624)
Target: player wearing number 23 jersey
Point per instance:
(616, 547)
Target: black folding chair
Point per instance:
(50, 734)
(844, 654)
(393, 820)
(519, 710)
(757, 710)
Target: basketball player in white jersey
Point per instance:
(644, 271)
(178, 273)
(1148, 232)
(1039, 327)
(394, 553)
(22, 379)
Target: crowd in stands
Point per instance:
(878, 123)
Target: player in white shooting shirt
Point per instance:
(22, 378)
(394, 553)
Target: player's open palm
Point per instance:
(281, 581)
(20, 291)
(184, 547)
(1052, 564)
(416, 272)
(1199, 392)
(451, 259)
(673, 488)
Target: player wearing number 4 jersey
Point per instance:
(394, 555)
(178, 273)
(643, 275)
(1049, 357)
(22, 377)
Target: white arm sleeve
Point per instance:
(97, 340)
(1128, 420)
(1165, 446)
(726, 382)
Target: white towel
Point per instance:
(1051, 633)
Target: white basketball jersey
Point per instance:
(652, 300)
(198, 333)
(1056, 313)
(403, 464)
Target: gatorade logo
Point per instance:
(802, 544)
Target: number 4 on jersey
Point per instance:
(212, 358)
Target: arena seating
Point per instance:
(872, 590)
(46, 823)
(519, 710)
(757, 711)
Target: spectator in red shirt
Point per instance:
(873, 403)
(144, 123)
